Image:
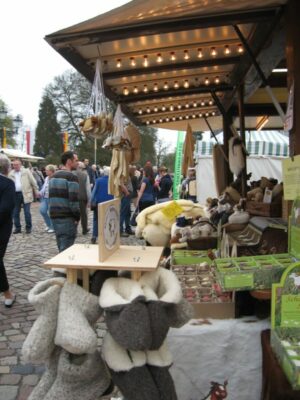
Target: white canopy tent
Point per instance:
(13, 153)
(266, 151)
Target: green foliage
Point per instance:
(8, 124)
(48, 139)
(148, 140)
(168, 160)
(86, 150)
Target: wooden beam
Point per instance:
(173, 93)
(167, 25)
(171, 67)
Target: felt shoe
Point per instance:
(162, 291)
(126, 313)
(49, 376)
(129, 371)
(77, 312)
(79, 377)
(39, 343)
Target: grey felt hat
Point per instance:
(77, 313)
(126, 313)
(48, 377)
(79, 377)
(39, 343)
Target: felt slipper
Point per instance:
(9, 302)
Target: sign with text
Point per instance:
(290, 310)
(291, 177)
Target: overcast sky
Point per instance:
(28, 63)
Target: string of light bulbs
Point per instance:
(181, 118)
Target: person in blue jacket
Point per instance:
(99, 195)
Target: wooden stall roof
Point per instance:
(163, 59)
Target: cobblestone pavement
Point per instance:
(23, 260)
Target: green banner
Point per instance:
(178, 162)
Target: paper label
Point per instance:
(239, 281)
(290, 310)
(172, 210)
(291, 177)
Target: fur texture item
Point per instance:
(156, 235)
(126, 313)
(162, 290)
(49, 376)
(78, 311)
(39, 343)
(79, 377)
(236, 155)
(239, 217)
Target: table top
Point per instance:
(130, 258)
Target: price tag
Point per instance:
(172, 210)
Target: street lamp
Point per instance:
(17, 123)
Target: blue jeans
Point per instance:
(17, 210)
(44, 212)
(95, 223)
(65, 232)
(125, 213)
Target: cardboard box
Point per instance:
(264, 209)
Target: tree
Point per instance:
(161, 151)
(168, 160)
(148, 140)
(48, 140)
(8, 124)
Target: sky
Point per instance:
(28, 63)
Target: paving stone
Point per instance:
(22, 369)
(17, 338)
(11, 332)
(8, 392)
(31, 380)
(24, 392)
(8, 360)
(10, 379)
(6, 352)
(4, 369)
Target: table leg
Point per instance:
(136, 275)
(72, 275)
(86, 279)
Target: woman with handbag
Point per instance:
(99, 195)
(146, 197)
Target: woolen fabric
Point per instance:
(77, 312)
(39, 343)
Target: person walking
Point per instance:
(99, 195)
(7, 203)
(84, 195)
(125, 211)
(163, 185)
(44, 193)
(146, 197)
(26, 187)
(63, 201)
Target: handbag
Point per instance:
(133, 217)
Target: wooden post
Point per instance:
(242, 134)
(293, 64)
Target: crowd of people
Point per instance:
(67, 192)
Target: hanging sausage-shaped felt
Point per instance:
(236, 155)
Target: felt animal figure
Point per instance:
(236, 155)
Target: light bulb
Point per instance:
(200, 115)
(240, 49)
(147, 122)
(202, 103)
(186, 117)
(173, 118)
(213, 113)
(140, 111)
(125, 91)
(180, 117)
(145, 89)
(194, 104)
(200, 54)
(217, 80)
(179, 106)
(155, 109)
(173, 56)
(154, 121)
(186, 84)
(155, 87)
(163, 108)
(166, 86)
(213, 52)
(146, 61)
(187, 105)
(227, 50)
(159, 58)
(207, 82)
(132, 62)
(194, 115)
(171, 108)
(176, 85)
(207, 114)
(119, 63)
(167, 119)
(148, 110)
(186, 55)
(210, 102)
(135, 90)
(160, 120)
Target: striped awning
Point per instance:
(263, 143)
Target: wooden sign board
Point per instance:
(108, 228)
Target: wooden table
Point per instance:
(85, 257)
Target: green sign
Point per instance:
(178, 162)
(290, 310)
(239, 281)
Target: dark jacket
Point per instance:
(100, 191)
(7, 204)
(165, 185)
